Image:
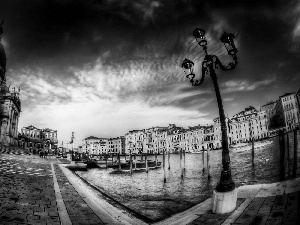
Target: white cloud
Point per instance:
(103, 101)
(228, 99)
(296, 14)
(244, 85)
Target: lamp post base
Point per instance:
(224, 202)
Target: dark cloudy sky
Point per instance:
(103, 68)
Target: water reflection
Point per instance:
(147, 194)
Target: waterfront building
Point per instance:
(155, 140)
(134, 142)
(97, 146)
(242, 127)
(215, 138)
(174, 139)
(10, 105)
(103, 146)
(197, 138)
(94, 145)
(269, 110)
(286, 113)
(246, 125)
(116, 145)
(34, 139)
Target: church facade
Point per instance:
(10, 105)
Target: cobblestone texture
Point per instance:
(27, 193)
(272, 210)
(27, 196)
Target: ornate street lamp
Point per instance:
(226, 187)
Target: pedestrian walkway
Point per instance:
(26, 193)
(277, 203)
(38, 190)
(279, 209)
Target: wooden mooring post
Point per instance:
(155, 159)
(184, 160)
(130, 162)
(134, 161)
(203, 159)
(288, 153)
(208, 166)
(164, 162)
(295, 153)
(181, 167)
(253, 165)
(106, 160)
(119, 159)
(169, 167)
(146, 161)
(282, 156)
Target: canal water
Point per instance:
(147, 194)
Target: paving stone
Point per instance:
(33, 217)
(260, 219)
(265, 210)
(53, 223)
(213, 222)
(280, 201)
(210, 215)
(245, 218)
(290, 223)
(277, 213)
(37, 222)
(292, 202)
(274, 222)
(290, 215)
(199, 220)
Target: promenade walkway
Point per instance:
(38, 190)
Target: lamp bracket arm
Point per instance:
(230, 66)
(204, 71)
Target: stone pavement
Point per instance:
(79, 212)
(26, 193)
(279, 209)
(38, 190)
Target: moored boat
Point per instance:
(139, 165)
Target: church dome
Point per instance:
(2, 57)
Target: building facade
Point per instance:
(97, 146)
(10, 105)
(243, 127)
(286, 113)
(269, 109)
(35, 139)
(247, 125)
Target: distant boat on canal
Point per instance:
(125, 164)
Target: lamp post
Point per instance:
(225, 189)
(72, 142)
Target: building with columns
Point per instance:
(10, 105)
(34, 139)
